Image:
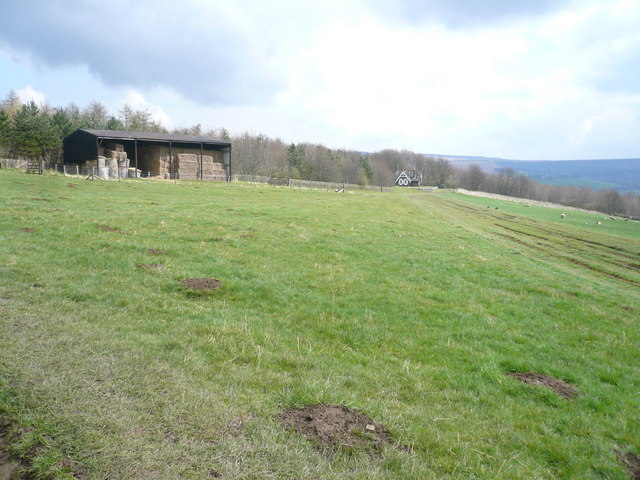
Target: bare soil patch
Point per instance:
(10, 468)
(27, 230)
(201, 284)
(540, 379)
(71, 185)
(336, 426)
(155, 251)
(14, 468)
(41, 199)
(632, 463)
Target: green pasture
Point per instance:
(575, 218)
(407, 306)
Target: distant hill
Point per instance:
(619, 174)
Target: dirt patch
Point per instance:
(14, 468)
(632, 463)
(540, 379)
(627, 308)
(246, 235)
(28, 230)
(201, 284)
(154, 203)
(155, 251)
(336, 426)
(41, 199)
(9, 467)
(71, 185)
(108, 229)
(150, 266)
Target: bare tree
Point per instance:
(473, 178)
(440, 171)
(95, 116)
(612, 201)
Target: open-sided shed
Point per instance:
(159, 154)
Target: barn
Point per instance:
(111, 153)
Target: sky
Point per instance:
(518, 79)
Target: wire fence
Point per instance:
(309, 184)
(122, 174)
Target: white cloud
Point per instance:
(550, 80)
(137, 101)
(28, 94)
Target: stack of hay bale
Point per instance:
(112, 161)
(187, 166)
(115, 159)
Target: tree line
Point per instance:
(28, 130)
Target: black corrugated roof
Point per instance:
(154, 137)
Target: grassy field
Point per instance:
(406, 306)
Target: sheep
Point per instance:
(599, 222)
(562, 215)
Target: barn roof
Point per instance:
(153, 137)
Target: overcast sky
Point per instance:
(523, 79)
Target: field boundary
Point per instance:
(496, 196)
(122, 175)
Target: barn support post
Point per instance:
(201, 158)
(98, 143)
(135, 156)
(170, 159)
(226, 158)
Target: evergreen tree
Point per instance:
(33, 134)
(25, 130)
(5, 133)
(293, 156)
(61, 122)
(368, 171)
(115, 124)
